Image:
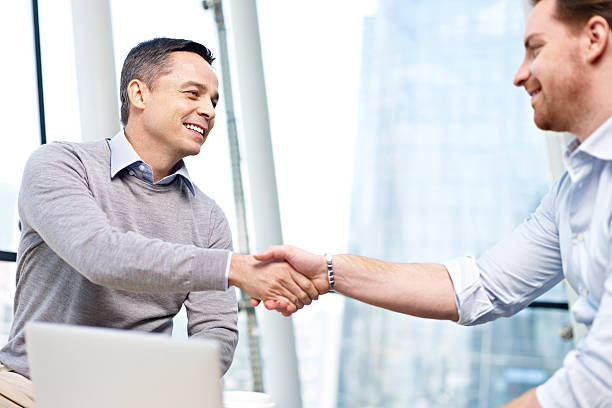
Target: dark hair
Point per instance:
(578, 12)
(148, 60)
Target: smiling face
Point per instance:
(551, 71)
(180, 107)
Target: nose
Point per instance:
(206, 109)
(523, 74)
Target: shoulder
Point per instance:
(204, 201)
(69, 151)
(62, 159)
(209, 205)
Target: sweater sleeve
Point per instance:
(214, 315)
(56, 201)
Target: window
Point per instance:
(19, 107)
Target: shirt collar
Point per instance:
(123, 155)
(599, 143)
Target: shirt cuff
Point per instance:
(471, 298)
(227, 269)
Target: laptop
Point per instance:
(86, 367)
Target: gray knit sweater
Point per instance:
(119, 253)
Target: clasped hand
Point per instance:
(284, 277)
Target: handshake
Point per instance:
(285, 278)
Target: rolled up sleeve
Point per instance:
(513, 273)
(471, 298)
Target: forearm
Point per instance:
(418, 289)
(527, 400)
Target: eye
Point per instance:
(535, 49)
(193, 93)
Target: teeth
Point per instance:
(194, 127)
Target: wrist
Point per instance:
(330, 272)
(238, 264)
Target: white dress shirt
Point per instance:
(568, 236)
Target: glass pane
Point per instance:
(7, 292)
(312, 83)
(59, 71)
(239, 376)
(18, 113)
(440, 134)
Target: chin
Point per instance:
(194, 152)
(542, 122)
(190, 151)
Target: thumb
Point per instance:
(273, 252)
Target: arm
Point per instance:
(527, 400)
(423, 290)
(56, 201)
(502, 282)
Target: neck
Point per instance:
(595, 100)
(597, 109)
(151, 153)
(590, 125)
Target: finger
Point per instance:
(282, 306)
(307, 286)
(271, 304)
(296, 293)
(290, 309)
(272, 252)
(255, 302)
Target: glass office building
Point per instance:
(448, 161)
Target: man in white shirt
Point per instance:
(567, 71)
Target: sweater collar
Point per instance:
(123, 155)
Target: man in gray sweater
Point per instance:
(115, 234)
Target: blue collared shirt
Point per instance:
(568, 236)
(123, 156)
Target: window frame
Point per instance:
(9, 256)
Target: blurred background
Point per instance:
(396, 133)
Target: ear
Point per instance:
(597, 33)
(137, 93)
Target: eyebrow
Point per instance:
(199, 86)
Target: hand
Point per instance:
(312, 266)
(272, 281)
(527, 400)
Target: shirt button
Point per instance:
(584, 292)
(580, 237)
(131, 173)
(141, 167)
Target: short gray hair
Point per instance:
(149, 60)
